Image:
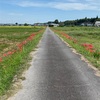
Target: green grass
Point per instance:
(14, 64)
(4, 45)
(90, 35)
(10, 36)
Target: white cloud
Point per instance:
(74, 6)
(30, 4)
(63, 5)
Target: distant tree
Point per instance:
(92, 20)
(77, 22)
(96, 17)
(86, 19)
(56, 21)
(16, 23)
(61, 24)
(25, 24)
(49, 22)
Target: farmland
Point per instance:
(86, 40)
(15, 45)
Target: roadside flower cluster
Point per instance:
(9, 53)
(88, 47)
(19, 46)
(69, 37)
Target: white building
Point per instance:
(87, 24)
(97, 23)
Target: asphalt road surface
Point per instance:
(58, 74)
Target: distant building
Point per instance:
(38, 24)
(87, 24)
(97, 23)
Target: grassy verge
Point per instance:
(13, 64)
(79, 36)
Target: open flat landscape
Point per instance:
(49, 49)
(56, 72)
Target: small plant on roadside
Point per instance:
(96, 54)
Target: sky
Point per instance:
(39, 11)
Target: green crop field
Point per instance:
(86, 40)
(12, 35)
(16, 42)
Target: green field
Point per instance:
(15, 45)
(12, 35)
(83, 35)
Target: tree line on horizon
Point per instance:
(84, 21)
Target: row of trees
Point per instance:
(77, 22)
(25, 24)
(85, 21)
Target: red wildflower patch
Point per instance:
(24, 42)
(5, 55)
(69, 37)
(10, 53)
(19, 46)
(88, 47)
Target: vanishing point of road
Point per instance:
(57, 73)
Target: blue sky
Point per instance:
(32, 11)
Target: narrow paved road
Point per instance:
(58, 74)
